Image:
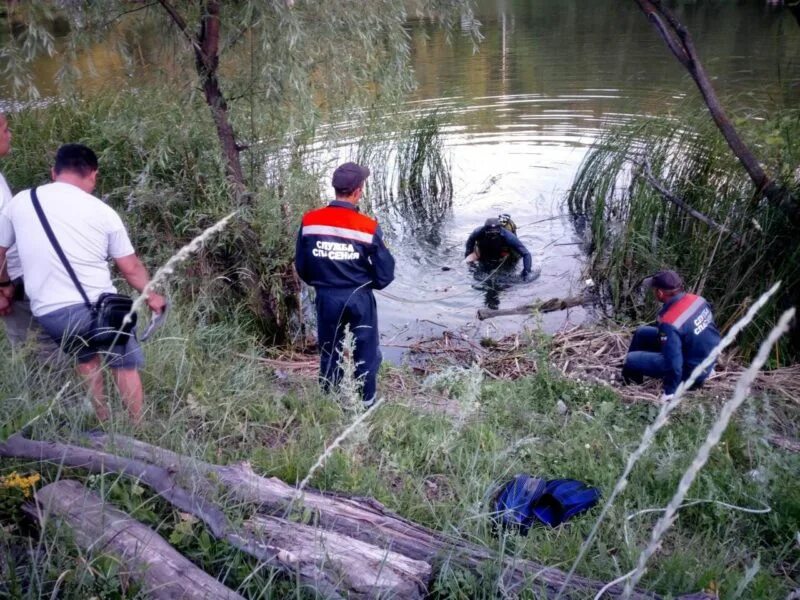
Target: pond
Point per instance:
(520, 112)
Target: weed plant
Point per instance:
(206, 398)
(632, 231)
(412, 179)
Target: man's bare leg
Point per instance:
(130, 390)
(92, 374)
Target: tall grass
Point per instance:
(412, 177)
(632, 231)
(205, 399)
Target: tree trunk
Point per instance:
(680, 43)
(361, 519)
(365, 570)
(367, 520)
(387, 579)
(545, 306)
(146, 557)
(206, 53)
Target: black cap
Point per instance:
(664, 280)
(348, 177)
(492, 223)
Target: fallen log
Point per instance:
(789, 444)
(367, 520)
(312, 566)
(145, 556)
(545, 306)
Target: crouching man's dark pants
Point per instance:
(645, 359)
(644, 356)
(337, 308)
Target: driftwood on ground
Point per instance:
(160, 570)
(789, 444)
(545, 306)
(312, 566)
(341, 522)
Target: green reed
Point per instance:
(632, 231)
(412, 175)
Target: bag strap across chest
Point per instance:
(57, 247)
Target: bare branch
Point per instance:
(647, 173)
(179, 21)
(681, 45)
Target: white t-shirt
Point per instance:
(12, 256)
(88, 231)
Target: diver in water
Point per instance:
(496, 243)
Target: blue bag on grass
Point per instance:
(512, 505)
(524, 500)
(562, 499)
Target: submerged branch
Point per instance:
(545, 306)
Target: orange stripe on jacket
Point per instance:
(336, 216)
(676, 310)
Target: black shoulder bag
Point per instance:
(108, 313)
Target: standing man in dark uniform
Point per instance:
(492, 243)
(341, 253)
(685, 336)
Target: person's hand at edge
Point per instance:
(7, 290)
(156, 302)
(6, 306)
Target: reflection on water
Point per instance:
(493, 279)
(521, 110)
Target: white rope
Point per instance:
(611, 584)
(754, 511)
(443, 297)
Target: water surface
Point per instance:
(523, 107)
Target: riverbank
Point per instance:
(462, 418)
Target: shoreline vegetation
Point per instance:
(463, 416)
(458, 421)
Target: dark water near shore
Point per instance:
(522, 110)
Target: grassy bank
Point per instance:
(431, 452)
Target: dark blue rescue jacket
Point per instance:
(687, 334)
(496, 247)
(338, 247)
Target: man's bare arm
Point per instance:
(135, 273)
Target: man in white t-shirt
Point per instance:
(89, 232)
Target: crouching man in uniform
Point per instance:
(684, 337)
(341, 253)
